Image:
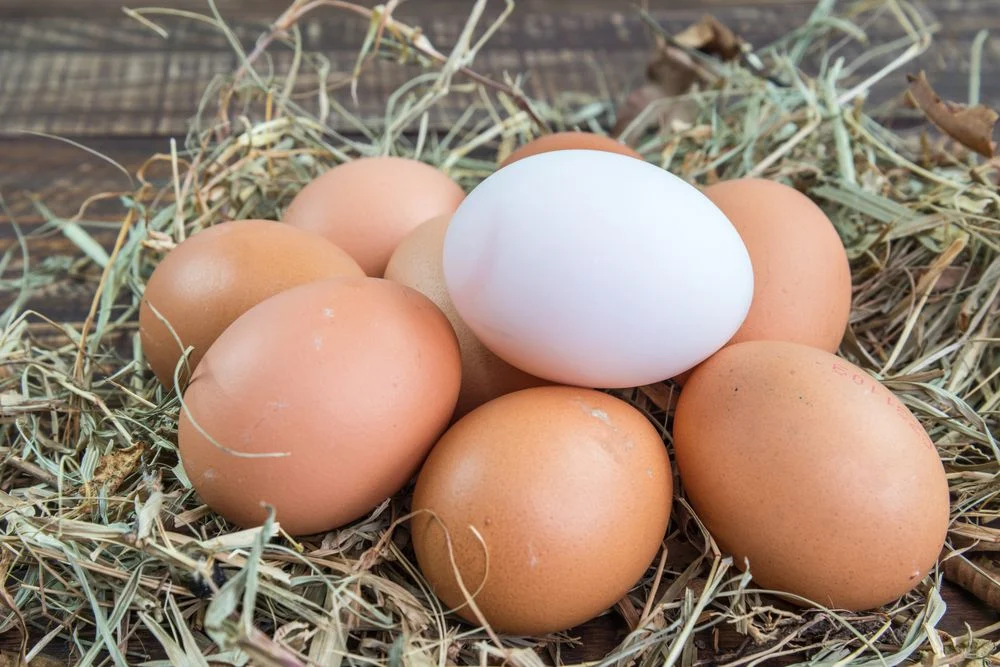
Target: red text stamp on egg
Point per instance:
(861, 379)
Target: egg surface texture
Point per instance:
(802, 278)
(417, 264)
(350, 380)
(367, 206)
(560, 141)
(218, 274)
(570, 490)
(807, 466)
(595, 269)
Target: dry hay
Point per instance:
(107, 549)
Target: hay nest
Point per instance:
(107, 550)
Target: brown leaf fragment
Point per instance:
(670, 74)
(712, 36)
(970, 126)
(629, 612)
(673, 72)
(115, 468)
(671, 115)
(661, 395)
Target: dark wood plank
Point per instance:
(157, 93)
(539, 27)
(540, 24)
(113, 76)
(61, 176)
(265, 10)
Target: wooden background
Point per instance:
(82, 70)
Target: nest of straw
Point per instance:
(108, 552)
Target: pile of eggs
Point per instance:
(393, 327)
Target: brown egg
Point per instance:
(802, 279)
(561, 141)
(351, 380)
(369, 205)
(215, 276)
(807, 466)
(416, 263)
(570, 492)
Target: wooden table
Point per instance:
(82, 70)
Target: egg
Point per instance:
(367, 206)
(595, 269)
(321, 401)
(416, 263)
(802, 278)
(559, 141)
(806, 466)
(207, 281)
(564, 492)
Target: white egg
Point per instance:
(596, 269)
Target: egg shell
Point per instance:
(807, 466)
(207, 281)
(416, 263)
(351, 379)
(560, 141)
(594, 269)
(367, 206)
(802, 277)
(570, 490)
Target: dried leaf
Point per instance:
(711, 36)
(970, 126)
(673, 72)
(114, 468)
(670, 74)
(673, 116)
(661, 394)
(629, 612)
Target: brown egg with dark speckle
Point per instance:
(321, 401)
(417, 264)
(808, 467)
(205, 283)
(568, 491)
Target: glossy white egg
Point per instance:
(595, 269)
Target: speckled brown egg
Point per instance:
(367, 206)
(416, 263)
(812, 470)
(802, 278)
(560, 141)
(205, 283)
(321, 401)
(568, 492)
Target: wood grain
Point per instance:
(265, 10)
(112, 76)
(61, 176)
